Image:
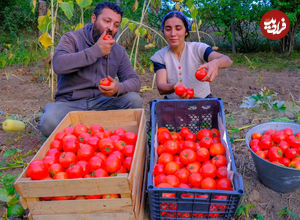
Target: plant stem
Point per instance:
(12, 167)
(241, 139)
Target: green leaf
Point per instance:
(240, 210)
(131, 26)
(3, 195)
(282, 119)
(142, 31)
(12, 200)
(84, 3)
(189, 3)
(287, 211)
(16, 209)
(9, 153)
(258, 217)
(194, 12)
(279, 106)
(124, 22)
(68, 9)
(44, 23)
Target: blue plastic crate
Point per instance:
(178, 203)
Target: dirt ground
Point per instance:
(23, 93)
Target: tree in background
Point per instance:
(292, 10)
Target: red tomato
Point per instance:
(70, 145)
(110, 196)
(101, 155)
(189, 145)
(165, 185)
(215, 132)
(208, 170)
(184, 131)
(278, 136)
(269, 132)
(67, 158)
(291, 153)
(54, 169)
(74, 171)
(171, 147)
(107, 37)
(80, 128)
(119, 154)
(95, 128)
(190, 93)
(112, 164)
(255, 148)
(162, 129)
(288, 132)
(187, 156)
(159, 179)
(180, 90)
(261, 154)
(183, 175)
(105, 82)
(165, 158)
(84, 137)
(49, 160)
(201, 73)
(130, 138)
(163, 137)
(202, 154)
(69, 137)
(100, 173)
(101, 135)
(119, 145)
(206, 142)
(37, 170)
(222, 172)
(171, 167)
(127, 163)
(59, 136)
(204, 133)
(93, 141)
(190, 137)
(85, 152)
(93, 196)
(120, 132)
(283, 145)
(254, 142)
(176, 159)
(285, 161)
(129, 150)
(172, 180)
(56, 144)
(208, 183)
(194, 167)
(160, 149)
(275, 153)
(217, 149)
(69, 130)
(158, 169)
(84, 166)
(60, 175)
(106, 146)
(224, 184)
(294, 141)
(195, 179)
(54, 152)
(95, 163)
(219, 160)
(256, 135)
(175, 136)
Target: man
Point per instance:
(84, 57)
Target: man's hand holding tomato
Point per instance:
(105, 44)
(110, 90)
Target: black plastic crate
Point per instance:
(178, 203)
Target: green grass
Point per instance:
(270, 61)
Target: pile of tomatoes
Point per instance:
(86, 152)
(188, 160)
(280, 147)
(183, 92)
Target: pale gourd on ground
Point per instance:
(13, 125)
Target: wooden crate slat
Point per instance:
(68, 187)
(80, 206)
(96, 216)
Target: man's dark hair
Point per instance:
(113, 6)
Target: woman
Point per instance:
(177, 63)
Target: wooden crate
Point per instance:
(130, 186)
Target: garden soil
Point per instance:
(24, 92)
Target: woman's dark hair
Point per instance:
(113, 6)
(179, 15)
